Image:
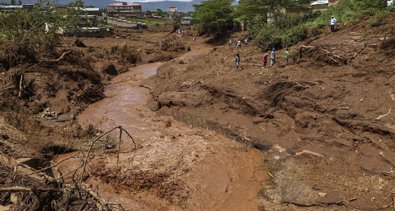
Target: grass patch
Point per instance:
(290, 30)
(150, 21)
(380, 19)
(2, 36)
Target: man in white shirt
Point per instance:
(333, 24)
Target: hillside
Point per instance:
(325, 121)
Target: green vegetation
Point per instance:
(288, 29)
(380, 18)
(150, 21)
(214, 17)
(37, 28)
(29, 34)
(273, 26)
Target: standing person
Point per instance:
(246, 40)
(238, 45)
(333, 23)
(237, 61)
(286, 55)
(264, 59)
(273, 57)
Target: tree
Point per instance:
(36, 29)
(159, 12)
(79, 3)
(148, 13)
(175, 20)
(214, 17)
(13, 2)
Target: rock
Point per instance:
(168, 123)
(299, 194)
(14, 199)
(333, 197)
(153, 105)
(49, 115)
(194, 98)
(110, 70)
(257, 120)
(79, 43)
(321, 194)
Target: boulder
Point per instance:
(110, 69)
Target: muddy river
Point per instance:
(176, 167)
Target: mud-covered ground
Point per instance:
(325, 121)
(54, 109)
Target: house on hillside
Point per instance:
(322, 5)
(124, 9)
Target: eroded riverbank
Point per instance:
(175, 167)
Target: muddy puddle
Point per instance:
(176, 167)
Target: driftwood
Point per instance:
(39, 176)
(356, 53)
(21, 86)
(335, 59)
(97, 139)
(58, 59)
(15, 189)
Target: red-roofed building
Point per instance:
(124, 9)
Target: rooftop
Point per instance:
(120, 4)
(319, 2)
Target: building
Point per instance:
(91, 11)
(89, 17)
(186, 21)
(124, 9)
(322, 5)
(12, 8)
(172, 9)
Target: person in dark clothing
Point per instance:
(237, 61)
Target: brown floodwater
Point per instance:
(215, 173)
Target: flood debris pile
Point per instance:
(325, 120)
(174, 43)
(27, 182)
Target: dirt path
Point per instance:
(175, 167)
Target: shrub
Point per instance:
(270, 37)
(379, 19)
(296, 34)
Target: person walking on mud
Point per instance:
(238, 45)
(237, 61)
(286, 55)
(264, 59)
(273, 57)
(333, 24)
